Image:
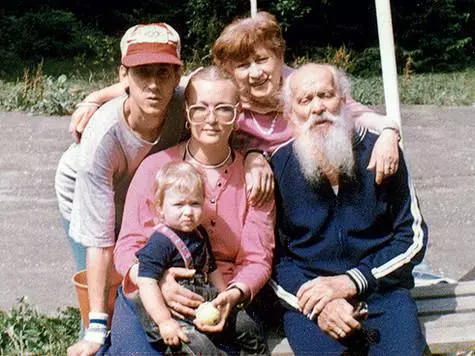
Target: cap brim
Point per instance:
(140, 59)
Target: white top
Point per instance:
(93, 177)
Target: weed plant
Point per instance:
(51, 94)
(24, 331)
(57, 94)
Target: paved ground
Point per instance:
(35, 260)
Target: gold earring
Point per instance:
(187, 125)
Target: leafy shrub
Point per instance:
(316, 55)
(289, 11)
(24, 331)
(367, 63)
(432, 32)
(341, 57)
(47, 94)
(43, 34)
(30, 37)
(42, 94)
(205, 21)
(437, 34)
(97, 49)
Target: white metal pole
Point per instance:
(253, 8)
(388, 60)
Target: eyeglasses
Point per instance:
(224, 113)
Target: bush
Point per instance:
(96, 49)
(41, 94)
(24, 331)
(42, 34)
(432, 32)
(437, 34)
(48, 94)
(205, 20)
(367, 63)
(31, 37)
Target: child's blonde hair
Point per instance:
(180, 176)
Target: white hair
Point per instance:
(342, 83)
(322, 154)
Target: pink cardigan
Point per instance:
(241, 236)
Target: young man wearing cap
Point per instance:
(93, 177)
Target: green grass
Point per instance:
(25, 331)
(444, 89)
(53, 88)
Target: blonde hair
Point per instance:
(179, 176)
(239, 39)
(210, 73)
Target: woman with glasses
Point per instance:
(252, 51)
(241, 235)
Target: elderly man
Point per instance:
(342, 239)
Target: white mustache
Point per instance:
(314, 119)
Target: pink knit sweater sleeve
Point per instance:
(138, 218)
(253, 264)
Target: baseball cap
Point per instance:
(149, 44)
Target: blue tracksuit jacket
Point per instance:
(376, 233)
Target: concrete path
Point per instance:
(35, 260)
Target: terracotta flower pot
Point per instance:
(80, 284)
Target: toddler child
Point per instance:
(180, 241)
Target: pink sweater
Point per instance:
(260, 136)
(241, 236)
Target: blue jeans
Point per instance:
(128, 336)
(79, 254)
(392, 328)
(79, 251)
(197, 285)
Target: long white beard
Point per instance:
(334, 148)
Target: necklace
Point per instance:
(263, 131)
(204, 165)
